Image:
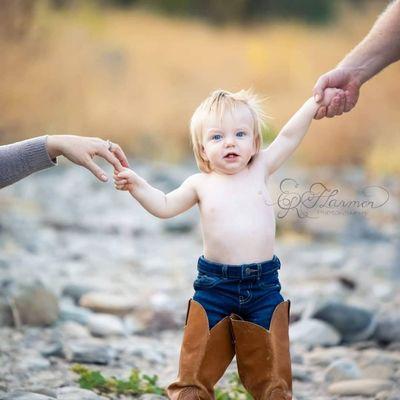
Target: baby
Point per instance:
(237, 307)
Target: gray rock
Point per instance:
(73, 329)
(70, 312)
(36, 305)
(360, 387)
(53, 350)
(388, 329)
(74, 393)
(301, 373)
(313, 332)
(180, 224)
(76, 291)
(32, 363)
(342, 369)
(89, 352)
(108, 303)
(151, 396)
(105, 325)
(20, 395)
(353, 323)
(6, 318)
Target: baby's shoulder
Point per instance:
(196, 179)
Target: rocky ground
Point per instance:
(87, 276)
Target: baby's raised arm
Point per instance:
(293, 132)
(155, 201)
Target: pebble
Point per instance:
(342, 369)
(105, 325)
(353, 323)
(388, 329)
(107, 303)
(313, 332)
(89, 352)
(74, 393)
(360, 387)
(36, 305)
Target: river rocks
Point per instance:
(313, 332)
(6, 318)
(342, 369)
(360, 387)
(21, 395)
(33, 363)
(89, 352)
(70, 312)
(76, 291)
(74, 393)
(105, 325)
(353, 323)
(388, 328)
(141, 270)
(107, 303)
(36, 305)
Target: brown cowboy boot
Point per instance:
(263, 356)
(205, 355)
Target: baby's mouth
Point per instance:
(231, 155)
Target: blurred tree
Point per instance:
(223, 11)
(16, 18)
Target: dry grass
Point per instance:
(136, 78)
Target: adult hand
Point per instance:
(342, 78)
(81, 150)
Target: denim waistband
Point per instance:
(240, 270)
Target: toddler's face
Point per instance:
(233, 135)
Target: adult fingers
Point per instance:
(110, 157)
(321, 112)
(119, 153)
(342, 104)
(318, 90)
(95, 169)
(351, 99)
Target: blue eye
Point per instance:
(216, 137)
(241, 134)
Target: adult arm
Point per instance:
(291, 135)
(21, 159)
(377, 50)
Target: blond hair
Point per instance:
(218, 103)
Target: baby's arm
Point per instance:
(155, 201)
(294, 131)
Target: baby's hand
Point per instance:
(126, 180)
(333, 97)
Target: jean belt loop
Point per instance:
(225, 271)
(259, 269)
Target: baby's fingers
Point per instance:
(120, 181)
(121, 187)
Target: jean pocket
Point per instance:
(204, 281)
(269, 282)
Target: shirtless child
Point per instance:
(237, 306)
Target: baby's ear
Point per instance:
(203, 152)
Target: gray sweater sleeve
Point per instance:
(21, 159)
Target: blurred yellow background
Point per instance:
(135, 76)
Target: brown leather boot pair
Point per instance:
(263, 356)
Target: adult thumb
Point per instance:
(318, 90)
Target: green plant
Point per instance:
(139, 383)
(236, 391)
(136, 384)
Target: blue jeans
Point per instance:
(249, 290)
